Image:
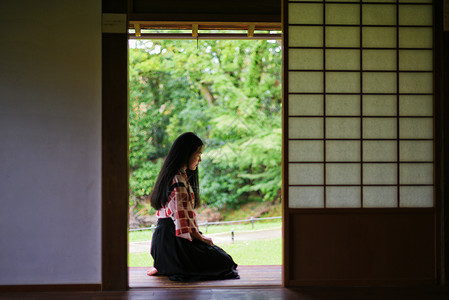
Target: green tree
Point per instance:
(229, 93)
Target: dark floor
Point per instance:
(256, 283)
(255, 293)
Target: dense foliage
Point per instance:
(229, 93)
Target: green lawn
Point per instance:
(145, 235)
(263, 252)
(143, 259)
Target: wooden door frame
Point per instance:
(441, 63)
(115, 168)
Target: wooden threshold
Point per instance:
(250, 276)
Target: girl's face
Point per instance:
(195, 158)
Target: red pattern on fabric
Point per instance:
(180, 207)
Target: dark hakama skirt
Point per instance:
(184, 260)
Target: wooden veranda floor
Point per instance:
(250, 276)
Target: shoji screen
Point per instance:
(360, 104)
(358, 142)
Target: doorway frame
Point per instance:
(115, 166)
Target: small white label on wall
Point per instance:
(114, 23)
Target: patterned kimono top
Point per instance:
(180, 207)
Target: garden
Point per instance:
(229, 93)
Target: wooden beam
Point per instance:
(199, 10)
(187, 25)
(251, 30)
(204, 36)
(195, 30)
(138, 32)
(196, 18)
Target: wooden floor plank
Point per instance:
(250, 276)
(257, 282)
(257, 293)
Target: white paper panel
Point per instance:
(379, 37)
(379, 14)
(305, 151)
(416, 105)
(418, 173)
(308, 59)
(415, 15)
(342, 36)
(379, 128)
(379, 150)
(416, 128)
(305, 13)
(306, 197)
(303, 128)
(343, 14)
(305, 173)
(416, 60)
(305, 82)
(343, 105)
(342, 59)
(340, 197)
(342, 173)
(416, 196)
(416, 150)
(342, 82)
(343, 151)
(305, 105)
(380, 173)
(380, 196)
(379, 82)
(311, 105)
(343, 128)
(379, 60)
(415, 83)
(379, 105)
(415, 37)
(305, 36)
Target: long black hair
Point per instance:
(177, 158)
